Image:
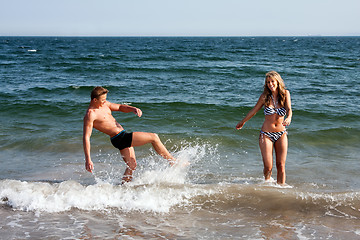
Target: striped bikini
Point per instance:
(274, 136)
(279, 111)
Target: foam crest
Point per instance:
(156, 186)
(344, 198)
(58, 197)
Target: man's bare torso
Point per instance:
(104, 121)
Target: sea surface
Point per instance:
(192, 91)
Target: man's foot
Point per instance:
(126, 179)
(184, 163)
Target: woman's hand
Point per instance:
(240, 125)
(287, 121)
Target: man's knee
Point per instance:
(155, 137)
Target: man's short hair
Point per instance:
(97, 92)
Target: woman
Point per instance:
(277, 103)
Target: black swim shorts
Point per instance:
(122, 140)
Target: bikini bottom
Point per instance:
(274, 136)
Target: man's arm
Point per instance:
(87, 130)
(124, 108)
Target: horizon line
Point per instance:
(165, 36)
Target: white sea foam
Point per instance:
(272, 183)
(156, 187)
(40, 196)
(341, 197)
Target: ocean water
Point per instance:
(192, 92)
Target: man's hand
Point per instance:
(137, 112)
(89, 166)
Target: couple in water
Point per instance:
(273, 135)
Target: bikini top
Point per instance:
(270, 111)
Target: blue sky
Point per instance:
(179, 18)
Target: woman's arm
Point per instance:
(287, 120)
(252, 112)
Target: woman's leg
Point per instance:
(128, 155)
(281, 147)
(266, 148)
(142, 138)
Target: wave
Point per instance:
(158, 188)
(271, 199)
(329, 138)
(174, 118)
(168, 193)
(47, 197)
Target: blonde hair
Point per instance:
(281, 88)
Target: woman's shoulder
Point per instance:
(263, 96)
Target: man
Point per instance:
(99, 116)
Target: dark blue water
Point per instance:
(192, 92)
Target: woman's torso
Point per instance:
(274, 117)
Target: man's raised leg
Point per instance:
(142, 138)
